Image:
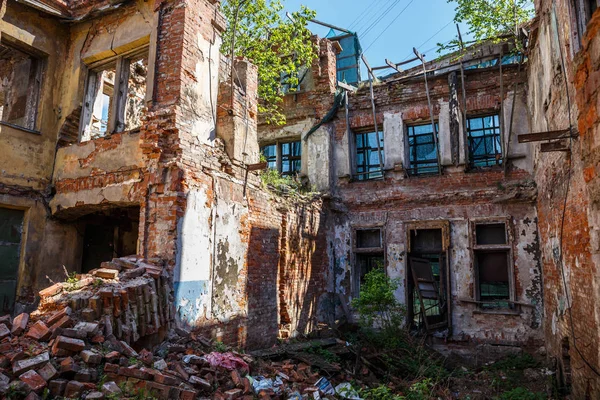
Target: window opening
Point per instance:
(20, 84)
(492, 265)
(367, 155)
(284, 157)
(369, 254)
(270, 154)
(291, 155)
(485, 147)
(422, 150)
(427, 280)
(115, 97)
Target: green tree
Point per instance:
(492, 19)
(277, 45)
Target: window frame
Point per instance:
(35, 88)
(498, 162)
(366, 175)
(366, 251)
(581, 14)
(492, 248)
(279, 157)
(413, 171)
(116, 114)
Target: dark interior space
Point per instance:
(428, 267)
(108, 234)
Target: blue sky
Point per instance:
(416, 23)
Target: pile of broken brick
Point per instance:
(78, 344)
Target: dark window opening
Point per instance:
(108, 234)
(284, 157)
(368, 238)
(115, 97)
(427, 280)
(494, 285)
(20, 85)
(368, 157)
(490, 234)
(422, 150)
(369, 254)
(485, 148)
(365, 263)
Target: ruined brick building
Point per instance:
(120, 135)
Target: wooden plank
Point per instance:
(257, 167)
(501, 301)
(88, 105)
(120, 96)
(345, 86)
(549, 135)
(554, 146)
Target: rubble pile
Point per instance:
(80, 343)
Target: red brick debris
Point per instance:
(89, 339)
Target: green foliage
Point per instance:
(326, 354)
(521, 393)
(71, 283)
(272, 178)
(381, 315)
(421, 390)
(514, 362)
(491, 19)
(381, 392)
(220, 347)
(278, 46)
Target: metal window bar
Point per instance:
(291, 158)
(485, 149)
(368, 165)
(422, 150)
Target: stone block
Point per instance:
(106, 273)
(91, 357)
(57, 387)
(70, 344)
(74, 390)
(4, 331)
(48, 372)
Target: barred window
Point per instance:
(422, 150)
(284, 157)
(485, 147)
(368, 163)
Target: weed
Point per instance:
(98, 282)
(326, 354)
(521, 393)
(381, 392)
(133, 361)
(71, 282)
(514, 362)
(220, 347)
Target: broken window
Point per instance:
(284, 157)
(368, 249)
(485, 147)
(422, 149)
(428, 288)
(368, 157)
(20, 84)
(115, 96)
(492, 265)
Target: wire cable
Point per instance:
(381, 16)
(390, 24)
(362, 16)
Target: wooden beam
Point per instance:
(554, 146)
(550, 135)
(345, 86)
(257, 167)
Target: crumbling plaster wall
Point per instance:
(468, 322)
(27, 156)
(569, 243)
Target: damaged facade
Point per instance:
(121, 135)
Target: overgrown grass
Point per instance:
(272, 179)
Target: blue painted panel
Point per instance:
(191, 300)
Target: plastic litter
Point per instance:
(227, 360)
(325, 386)
(346, 391)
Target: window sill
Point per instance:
(498, 312)
(20, 128)
(110, 135)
